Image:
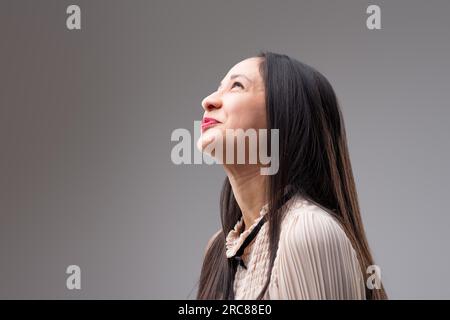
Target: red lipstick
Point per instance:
(208, 122)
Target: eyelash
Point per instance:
(237, 83)
(232, 86)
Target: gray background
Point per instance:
(86, 117)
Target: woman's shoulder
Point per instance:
(315, 258)
(307, 223)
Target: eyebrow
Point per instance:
(236, 76)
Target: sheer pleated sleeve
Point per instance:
(316, 260)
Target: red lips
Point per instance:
(208, 122)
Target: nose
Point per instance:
(211, 102)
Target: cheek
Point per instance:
(246, 114)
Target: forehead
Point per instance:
(248, 67)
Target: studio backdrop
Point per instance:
(91, 92)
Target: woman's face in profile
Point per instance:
(238, 103)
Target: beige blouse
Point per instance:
(315, 259)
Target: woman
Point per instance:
(313, 244)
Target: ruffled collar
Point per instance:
(236, 237)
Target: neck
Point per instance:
(249, 189)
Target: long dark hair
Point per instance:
(313, 161)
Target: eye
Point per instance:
(237, 83)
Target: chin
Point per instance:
(203, 141)
(208, 137)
